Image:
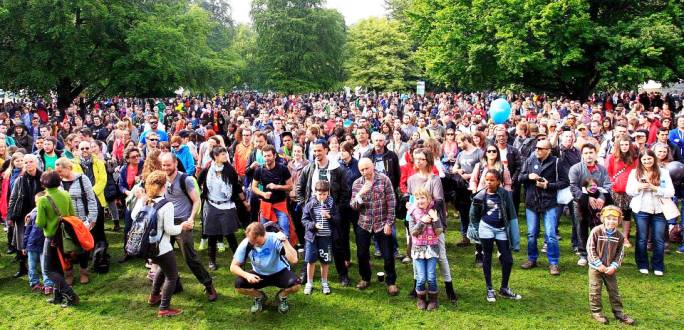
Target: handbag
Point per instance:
(670, 210)
(564, 196)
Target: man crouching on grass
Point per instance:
(270, 255)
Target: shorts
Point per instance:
(282, 279)
(488, 232)
(318, 250)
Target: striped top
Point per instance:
(322, 224)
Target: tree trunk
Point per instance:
(66, 93)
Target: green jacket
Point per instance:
(46, 218)
(508, 214)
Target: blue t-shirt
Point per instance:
(492, 214)
(163, 137)
(266, 259)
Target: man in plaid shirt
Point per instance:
(373, 197)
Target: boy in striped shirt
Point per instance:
(320, 219)
(605, 250)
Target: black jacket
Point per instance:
(514, 162)
(538, 199)
(24, 141)
(22, 198)
(391, 163)
(339, 190)
(567, 157)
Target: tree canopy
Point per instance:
(106, 47)
(299, 45)
(378, 56)
(565, 47)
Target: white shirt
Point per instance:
(164, 223)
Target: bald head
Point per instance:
(367, 168)
(169, 163)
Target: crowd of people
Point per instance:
(300, 173)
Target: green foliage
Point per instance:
(378, 56)
(299, 45)
(562, 47)
(109, 47)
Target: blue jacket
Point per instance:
(309, 218)
(185, 157)
(677, 138)
(33, 235)
(122, 176)
(353, 172)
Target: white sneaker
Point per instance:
(221, 247)
(203, 244)
(326, 288)
(307, 288)
(544, 248)
(657, 273)
(582, 262)
(643, 271)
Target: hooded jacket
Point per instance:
(390, 162)
(339, 188)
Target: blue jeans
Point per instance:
(658, 225)
(33, 259)
(283, 222)
(426, 271)
(550, 220)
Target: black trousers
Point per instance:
(98, 231)
(186, 245)
(53, 268)
(506, 260)
(363, 242)
(165, 279)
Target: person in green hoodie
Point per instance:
(48, 221)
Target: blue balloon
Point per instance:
(499, 111)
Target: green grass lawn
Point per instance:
(117, 300)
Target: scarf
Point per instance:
(216, 181)
(87, 167)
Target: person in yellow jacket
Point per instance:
(94, 168)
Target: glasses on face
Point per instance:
(450, 134)
(492, 151)
(174, 146)
(641, 136)
(154, 123)
(582, 129)
(153, 139)
(542, 148)
(84, 148)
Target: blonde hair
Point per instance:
(423, 192)
(154, 183)
(152, 163)
(611, 209)
(64, 162)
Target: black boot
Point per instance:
(70, 299)
(212, 257)
(412, 293)
(117, 227)
(451, 294)
(23, 270)
(179, 286)
(56, 298)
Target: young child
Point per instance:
(605, 248)
(320, 218)
(33, 243)
(590, 188)
(425, 229)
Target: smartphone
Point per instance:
(540, 179)
(644, 181)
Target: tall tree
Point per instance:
(378, 56)
(104, 47)
(299, 45)
(564, 47)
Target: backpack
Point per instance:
(76, 237)
(111, 190)
(144, 236)
(101, 258)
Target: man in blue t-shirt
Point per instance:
(270, 255)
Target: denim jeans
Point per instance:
(33, 259)
(283, 222)
(426, 271)
(550, 217)
(658, 225)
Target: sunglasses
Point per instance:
(153, 139)
(86, 148)
(449, 134)
(492, 151)
(541, 148)
(174, 146)
(154, 122)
